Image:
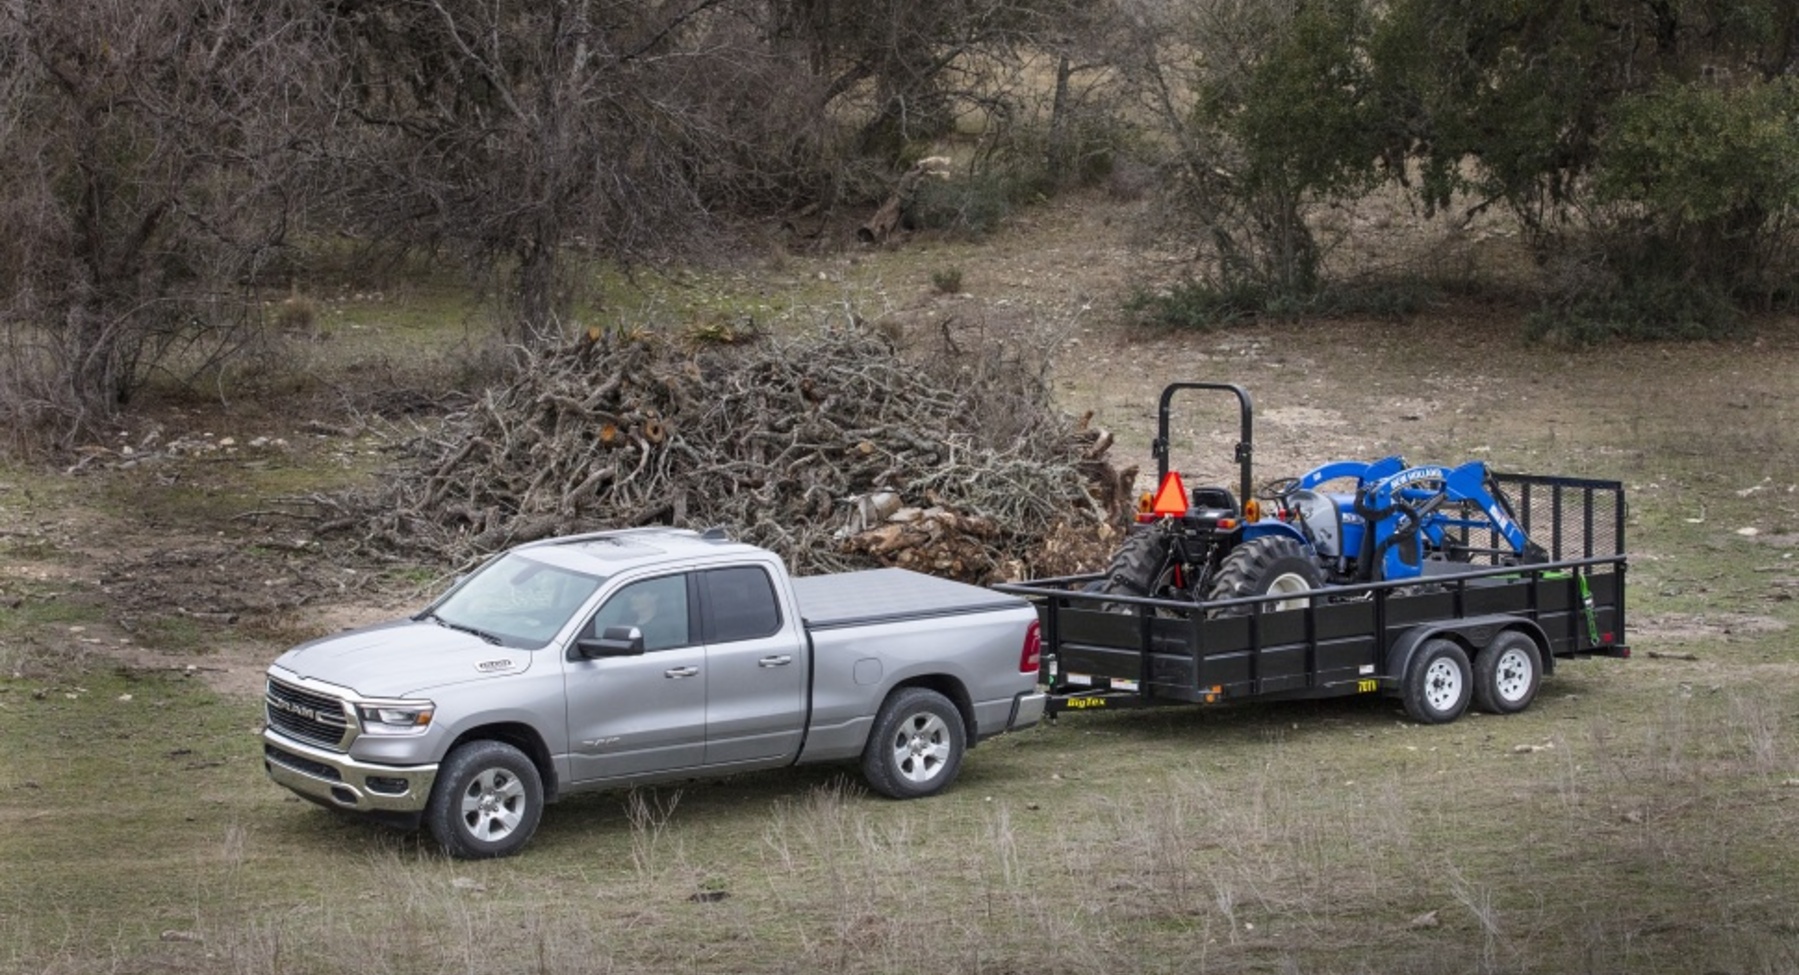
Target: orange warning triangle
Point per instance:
(1171, 497)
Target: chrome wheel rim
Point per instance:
(921, 748)
(493, 805)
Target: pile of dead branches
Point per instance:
(832, 449)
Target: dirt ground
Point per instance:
(169, 538)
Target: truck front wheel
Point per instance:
(1507, 673)
(487, 801)
(1439, 683)
(916, 747)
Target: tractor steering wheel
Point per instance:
(1278, 488)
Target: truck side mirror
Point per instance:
(617, 641)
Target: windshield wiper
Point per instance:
(463, 627)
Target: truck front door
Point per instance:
(756, 659)
(632, 715)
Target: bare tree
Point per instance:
(511, 133)
(146, 186)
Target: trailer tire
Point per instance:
(487, 801)
(1260, 566)
(915, 749)
(1507, 673)
(1439, 683)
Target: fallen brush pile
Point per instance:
(832, 449)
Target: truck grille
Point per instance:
(311, 717)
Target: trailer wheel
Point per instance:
(916, 747)
(1507, 673)
(1269, 565)
(487, 801)
(1439, 683)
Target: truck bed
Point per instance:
(888, 596)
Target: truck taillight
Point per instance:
(1030, 659)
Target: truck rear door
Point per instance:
(756, 667)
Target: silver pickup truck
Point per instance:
(623, 658)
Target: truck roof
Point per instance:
(608, 552)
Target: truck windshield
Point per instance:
(515, 600)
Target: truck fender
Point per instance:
(1474, 633)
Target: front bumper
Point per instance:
(335, 779)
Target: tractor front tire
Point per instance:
(1269, 565)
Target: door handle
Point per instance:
(778, 660)
(679, 672)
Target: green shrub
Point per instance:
(1199, 305)
(1648, 310)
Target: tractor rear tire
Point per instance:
(1271, 564)
(1139, 569)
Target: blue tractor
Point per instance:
(1344, 522)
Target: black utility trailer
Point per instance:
(1482, 628)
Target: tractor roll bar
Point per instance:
(1245, 448)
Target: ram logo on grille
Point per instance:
(297, 710)
(308, 716)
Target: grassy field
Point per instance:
(1639, 818)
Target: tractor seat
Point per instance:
(1214, 498)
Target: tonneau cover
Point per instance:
(889, 595)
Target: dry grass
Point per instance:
(1639, 818)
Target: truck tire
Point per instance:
(1439, 683)
(1269, 565)
(487, 801)
(1507, 673)
(916, 747)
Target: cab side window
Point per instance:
(657, 607)
(740, 604)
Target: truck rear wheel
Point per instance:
(1269, 565)
(916, 747)
(1507, 673)
(487, 801)
(1439, 683)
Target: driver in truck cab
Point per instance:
(654, 611)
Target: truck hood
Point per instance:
(401, 658)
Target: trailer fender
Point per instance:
(1473, 633)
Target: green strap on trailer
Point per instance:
(1586, 603)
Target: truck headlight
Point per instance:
(395, 717)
